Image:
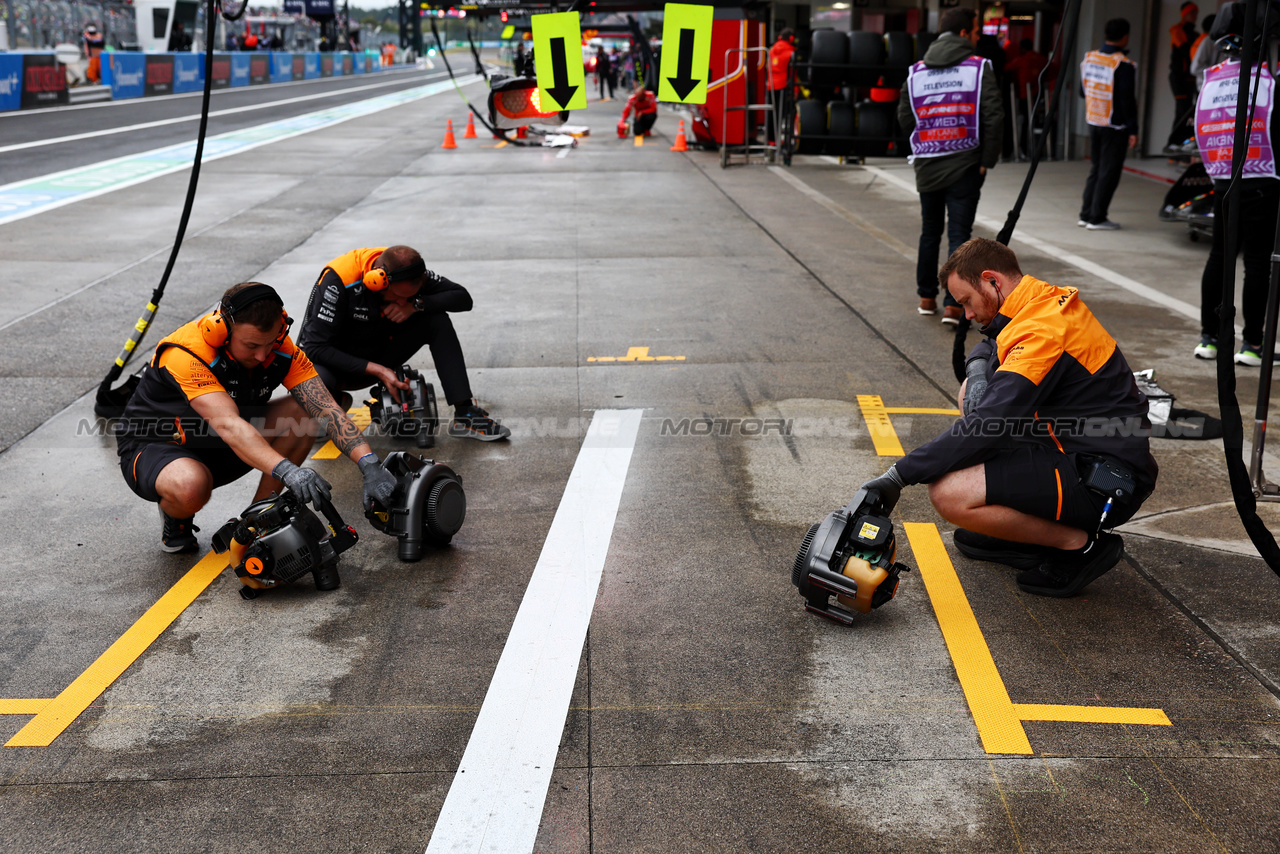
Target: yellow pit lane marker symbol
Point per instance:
(998, 718)
(876, 415)
(636, 354)
(52, 717)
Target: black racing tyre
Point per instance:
(829, 48)
(923, 40)
(866, 55)
(900, 50)
(811, 126)
(840, 122)
(875, 128)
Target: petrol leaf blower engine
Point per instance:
(278, 540)
(850, 554)
(428, 507)
(415, 415)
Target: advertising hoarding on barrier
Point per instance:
(326, 65)
(44, 81)
(159, 74)
(348, 64)
(259, 68)
(281, 67)
(10, 81)
(311, 67)
(358, 63)
(221, 71)
(240, 69)
(299, 66)
(128, 74)
(188, 72)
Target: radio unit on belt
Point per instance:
(415, 415)
(850, 555)
(278, 540)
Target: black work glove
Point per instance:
(889, 485)
(304, 483)
(976, 383)
(379, 484)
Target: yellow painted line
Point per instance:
(919, 410)
(636, 354)
(22, 707)
(999, 725)
(882, 434)
(360, 417)
(639, 141)
(1092, 714)
(62, 710)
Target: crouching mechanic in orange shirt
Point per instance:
(202, 415)
(1060, 411)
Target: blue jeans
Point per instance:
(954, 206)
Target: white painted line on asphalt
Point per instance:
(495, 802)
(36, 195)
(235, 111)
(1105, 273)
(153, 99)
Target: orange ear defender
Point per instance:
(214, 329)
(377, 279)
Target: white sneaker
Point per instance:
(1105, 225)
(1081, 223)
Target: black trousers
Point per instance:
(435, 330)
(1106, 152)
(643, 122)
(1259, 201)
(952, 208)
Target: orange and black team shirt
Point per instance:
(185, 367)
(1061, 381)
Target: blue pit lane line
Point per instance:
(22, 199)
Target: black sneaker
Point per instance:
(178, 535)
(471, 421)
(1063, 574)
(982, 547)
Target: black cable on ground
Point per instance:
(435, 31)
(1067, 41)
(109, 402)
(1229, 407)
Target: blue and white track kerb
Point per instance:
(36, 195)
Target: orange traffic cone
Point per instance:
(681, 143)
(448, 136)
(470, 132)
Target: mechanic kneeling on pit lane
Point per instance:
(1060, 413)
(201, 414)
(371, 310)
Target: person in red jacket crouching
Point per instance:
(645, 106)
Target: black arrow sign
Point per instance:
(561, 91)
(683, 82)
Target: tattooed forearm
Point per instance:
(319, 404)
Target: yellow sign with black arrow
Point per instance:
(686, 53)
(557, 51)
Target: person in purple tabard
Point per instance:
(951, 106)
(1258, 190)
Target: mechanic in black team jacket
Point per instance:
(372, 310)
(1060, 419)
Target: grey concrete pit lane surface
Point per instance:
(708, 712)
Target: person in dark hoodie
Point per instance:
(951, 106)
(1111, 108)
